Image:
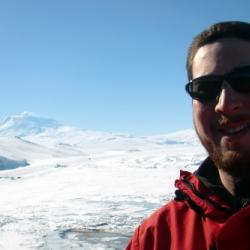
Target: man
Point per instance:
(211, 208)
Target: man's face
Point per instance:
(223, 125)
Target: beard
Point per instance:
(234, 162)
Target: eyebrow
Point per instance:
(236, 70)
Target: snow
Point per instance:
(84, 189)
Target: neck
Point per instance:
(236, 186)
(228, 181)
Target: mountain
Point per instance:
(29, 137)
(26, 124)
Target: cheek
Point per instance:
(202, 117)
(246, 101)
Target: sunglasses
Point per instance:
(208, 88)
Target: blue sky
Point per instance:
(111, 65)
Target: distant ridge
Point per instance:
(29, 124)
(186, 136)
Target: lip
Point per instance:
(233, 130)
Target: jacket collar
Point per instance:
(197, 193)
(208, 174)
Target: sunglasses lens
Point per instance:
(240, 84)
(204, 89)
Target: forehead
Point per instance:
(221, 57)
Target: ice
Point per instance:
(85, 189)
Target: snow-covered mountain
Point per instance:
(26, 124)
(68, 188)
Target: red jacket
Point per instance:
(198, 219)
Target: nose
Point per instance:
(228, 101)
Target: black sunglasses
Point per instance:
(208, 88)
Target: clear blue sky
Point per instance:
(111, 65)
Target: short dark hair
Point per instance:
(230, 29)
